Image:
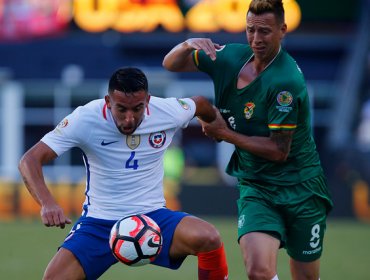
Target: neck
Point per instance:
(261, 64)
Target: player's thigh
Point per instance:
(64, 266)
(194, 235)
(306, 230)
(88, 240)
(260, 215)
(261, 232)
(259, 251)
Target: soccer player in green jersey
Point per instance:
(264, 111)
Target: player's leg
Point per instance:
(261, 231)
(305, 238)
(85, 253)
(185, 235)
(305, 270)
(259, 252)
(64, 266)
(194, 236)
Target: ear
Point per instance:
(107, 101)
(283, 30)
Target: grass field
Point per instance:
(26, 248)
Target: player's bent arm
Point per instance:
(179, 59)
(30, 167)
(275, 148)
(204, 109)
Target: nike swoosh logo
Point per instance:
(152, 244)
(107, 143)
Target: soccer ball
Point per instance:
(135, 240)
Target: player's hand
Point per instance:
(52, 215)
(204, 44)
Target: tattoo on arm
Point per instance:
(283, 140)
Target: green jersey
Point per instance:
(276, 100)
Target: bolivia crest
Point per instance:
(248, 110)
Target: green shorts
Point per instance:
(296, 215)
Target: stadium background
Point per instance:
(56, 55)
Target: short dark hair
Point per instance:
(259, 7)
(128, 80)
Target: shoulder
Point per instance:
(229, 56)
(166, 114)
(288, 63)
(169, 105)
(287, 72)
(92, 111)
(170, 112)
(93, 107)
(235, 49)
(83, 117)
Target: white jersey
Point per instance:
(124, 173)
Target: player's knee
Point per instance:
(48, 275)
(208, 239)
(52, 274)
(307, 275)
(260, 272)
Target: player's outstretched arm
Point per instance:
(179, 59)
(30, 167)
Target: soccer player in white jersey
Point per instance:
(123, 138)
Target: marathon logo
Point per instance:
(312, 251)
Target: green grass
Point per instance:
(27, 247)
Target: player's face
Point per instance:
(127, 109)
(264, 34)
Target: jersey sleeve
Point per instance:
(205, 64)
(71, 132)
(202, 61)
(223, 71)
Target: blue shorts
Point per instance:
(88, 241)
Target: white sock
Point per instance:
(277, 278)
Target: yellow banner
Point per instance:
(146, 16)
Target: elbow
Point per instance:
(173, 63)
(166, 63)
(171, 67)
(27, 161)
(22, 163)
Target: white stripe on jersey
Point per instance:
(124, 174)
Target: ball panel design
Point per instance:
(150, 243)
(135, 240)
(130, 226)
